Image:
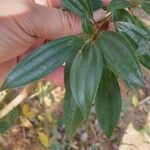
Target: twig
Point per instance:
(86, 43)
(101, 23)
(146, 100)
(15, 102)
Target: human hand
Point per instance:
(26, 24)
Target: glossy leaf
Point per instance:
(124, 16)
(72, 114)
(108, 102)
(118, 4)
(120, 58)
(42, 61)
(85, 76)
(144, 53)
(134, 32)
(96, 4)
(87, 26)
(146, 6)
(141, 39)
(82, 8)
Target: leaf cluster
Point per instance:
(94, 61)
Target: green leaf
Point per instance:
(118, 4)
(82, 8)
(136, 33)
(140, 37)
(13, 115)
(96, 4)
(9, 120)
(124, 16)
(120, 57)
(87, 26)
(55, 146)
(85, 76)
(42, 61)
(146, 6)
(72, 114)
(144, 53)
(93, 147)
(108, 102)
(4, 126)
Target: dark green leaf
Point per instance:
(122, 15)
(144, 53)
(118, 4)
(13, 115)
(42, 61)
(96, 4)
(140, 37)
(125, 16)
(87, 26)
(82, 8)
(136, 32)
(4, 126)
(85, 76)
(108, 102)
(146, 6)
(133, 31)
(120, 57)
(72, 114)
(9, 120)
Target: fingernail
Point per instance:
(99, 14)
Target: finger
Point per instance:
(5, 69)
(111, 27)
(99, 15)
(51, 23)
(54, 3)
(50, 3)
(106, 2)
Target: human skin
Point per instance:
(26, 24)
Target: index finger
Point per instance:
(54, 3)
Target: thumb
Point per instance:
(52, 23)
(49, 23)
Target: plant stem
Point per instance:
(99, 26)
(101, 23)
(86, 42)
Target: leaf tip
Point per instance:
(109, 133)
